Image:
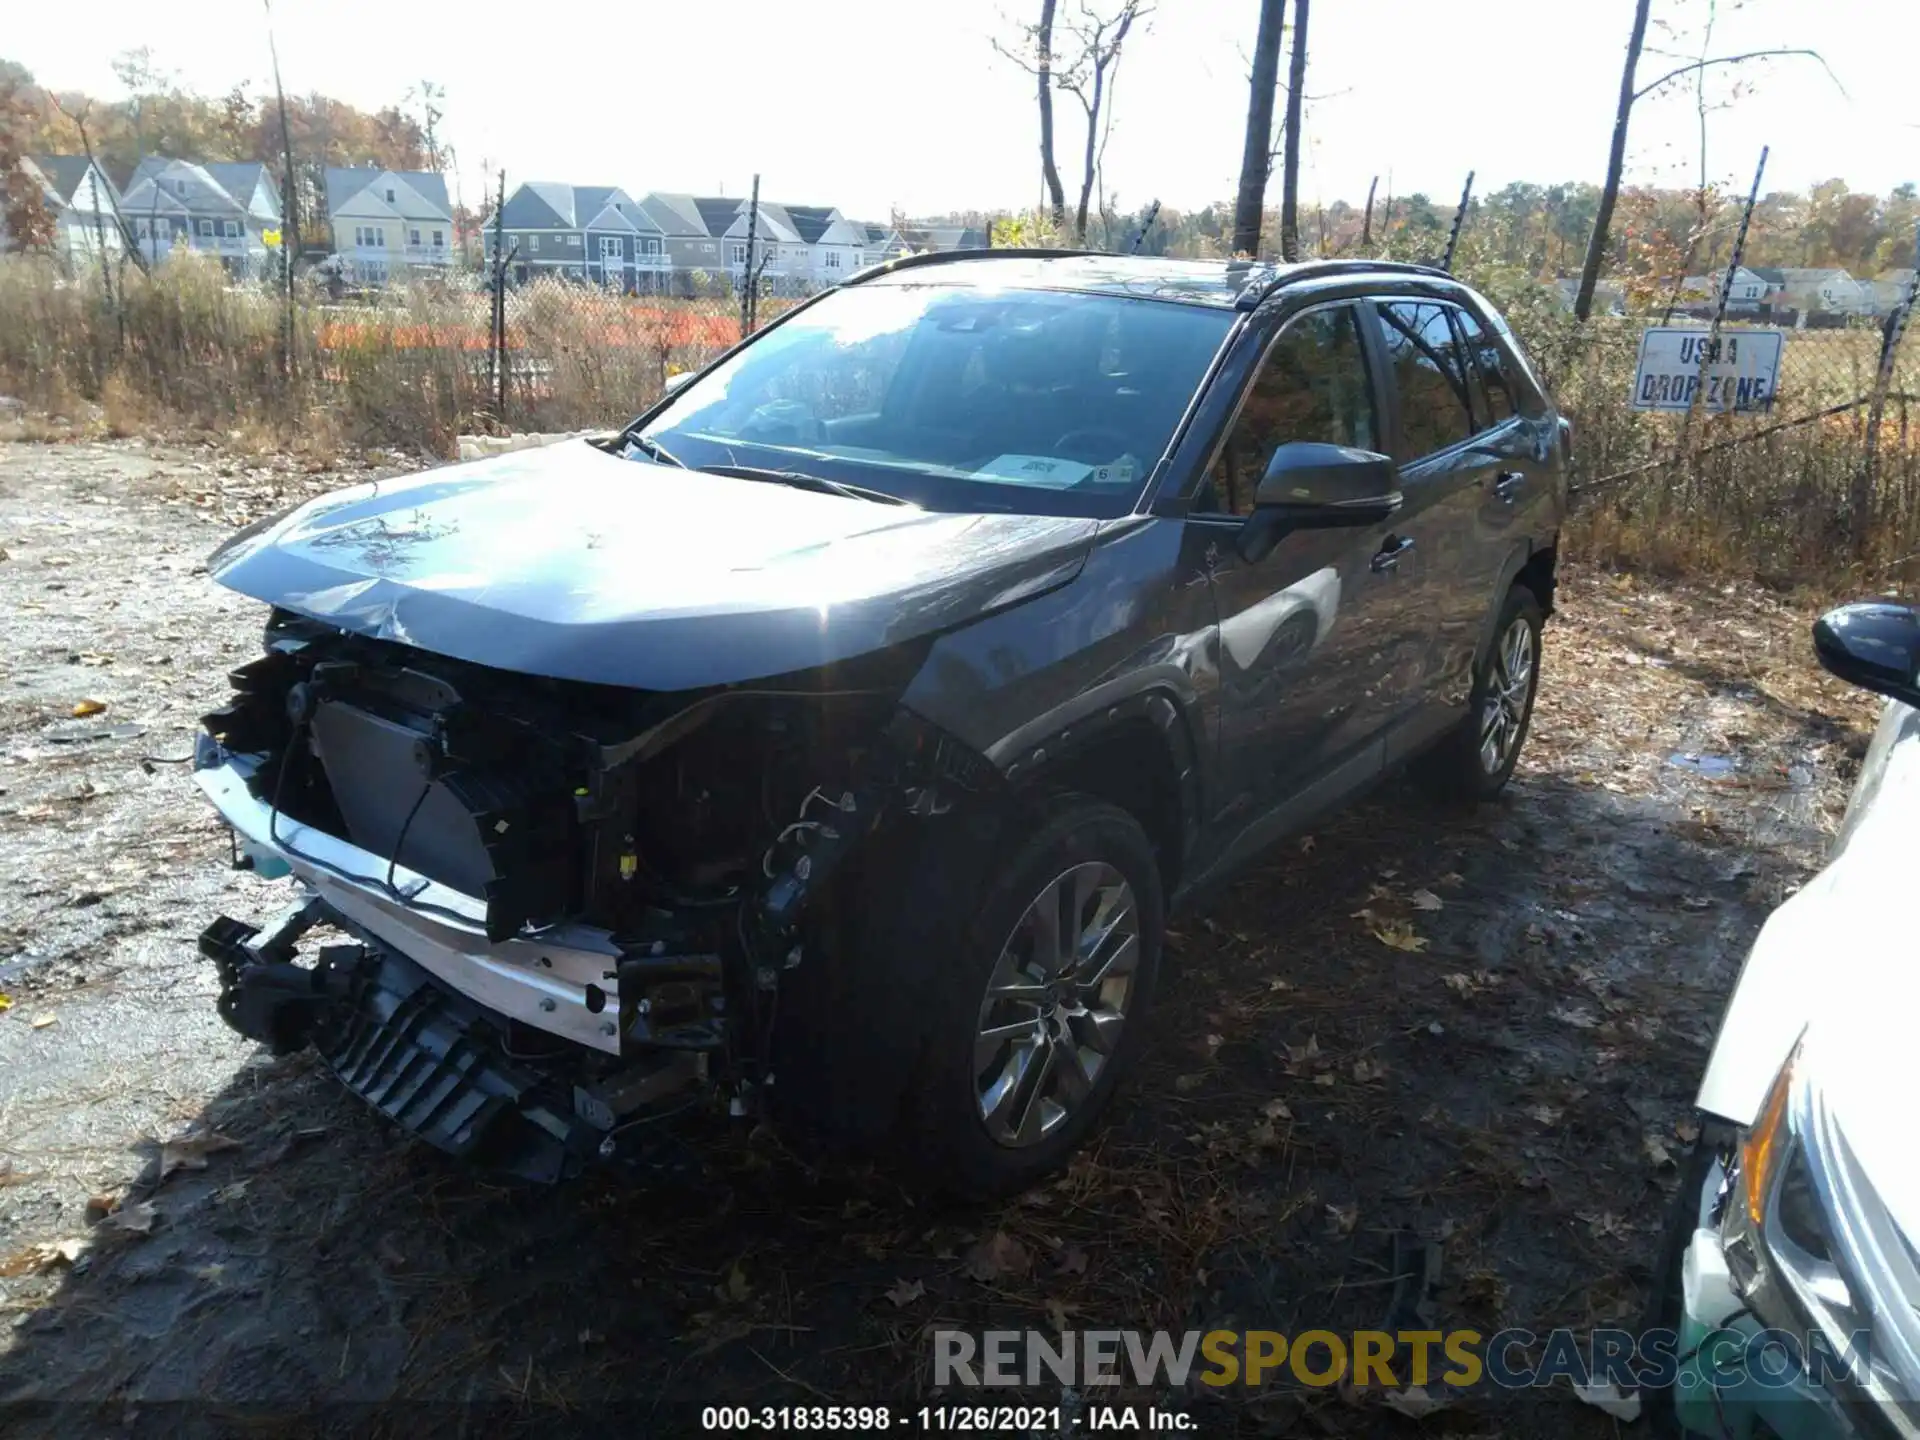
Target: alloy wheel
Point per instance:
(1509, 689)
(1056, 1002)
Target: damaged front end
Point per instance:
(563, 909)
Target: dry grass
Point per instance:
(185, 348)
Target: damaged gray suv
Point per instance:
(833, 741)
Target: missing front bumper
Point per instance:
(421, 1054)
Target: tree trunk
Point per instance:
(1086, 178)
(1290, 164)
(1256, 155)
(1049, 172)
(1366, 224)
(1616, 161)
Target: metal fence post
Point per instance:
(1459, 219)
(1720, 304)
(497, 321)
(1864, 480)
(749, 273)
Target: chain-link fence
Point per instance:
(1811, 465)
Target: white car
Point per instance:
(1796, 1258)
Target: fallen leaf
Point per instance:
(37, 1259)
(1604, 1226)
(1414, 1402)
(1057, 1314)
(1342, 1218)
(1399, 935)
(1306, 844)
(1427, 900)
(734, 1287)
(189, 1152)
(1658, 1153)
(40, 1022)
(1276, 984)
(1365, 1070)
(997, 1255)
(1187, 1084)
(904, 1294)
(1686, 1131)
(6, 1002)
(1577, 1016)
(1452, 880)
(84, 708)
(1276, 1110)
(1544, 1113)
(138, 1218)
(1073, 1261)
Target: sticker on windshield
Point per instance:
(1041, 470)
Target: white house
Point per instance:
(389, 222)
(79, 198)
(1820, 290)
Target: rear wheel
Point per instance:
(1032, 1026)
(1476, 759)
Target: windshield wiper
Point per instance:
(654, 449)
(801, 481)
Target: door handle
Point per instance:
(1506, 485)
(1391, 553)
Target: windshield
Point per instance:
(955, 397)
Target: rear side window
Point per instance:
(1429, 370)
(1492, 382)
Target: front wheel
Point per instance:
(1043, 1009)
(1475, 761)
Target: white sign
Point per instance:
(1741, 373)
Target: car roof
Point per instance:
(1223, 284)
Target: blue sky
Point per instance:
(905, 103)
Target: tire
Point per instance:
(991, 1115)
(1472, 762)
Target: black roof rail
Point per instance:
(1316, 269)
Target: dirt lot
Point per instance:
(1480, 1031)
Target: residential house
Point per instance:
(693, 228)
(1815, 290)
(1889, 290)
(222, 209)
(836, 245)
(79, 199)
(1609, 298)
(389, 222)
(596, 234)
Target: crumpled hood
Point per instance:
(569, 562)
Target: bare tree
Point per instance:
(1089, 78)
(1256, 154)
(1290, 163)
(1617, 154)
(1035, 56)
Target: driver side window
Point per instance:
(1313, 385)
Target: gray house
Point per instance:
(224, 209)
(389, 222)
(596, 234)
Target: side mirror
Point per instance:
(1874, 645)
(675, 382)
(1314, 486)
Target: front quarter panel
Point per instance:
(1132, 623)
(1836, 943)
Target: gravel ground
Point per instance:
(1480, 1033)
